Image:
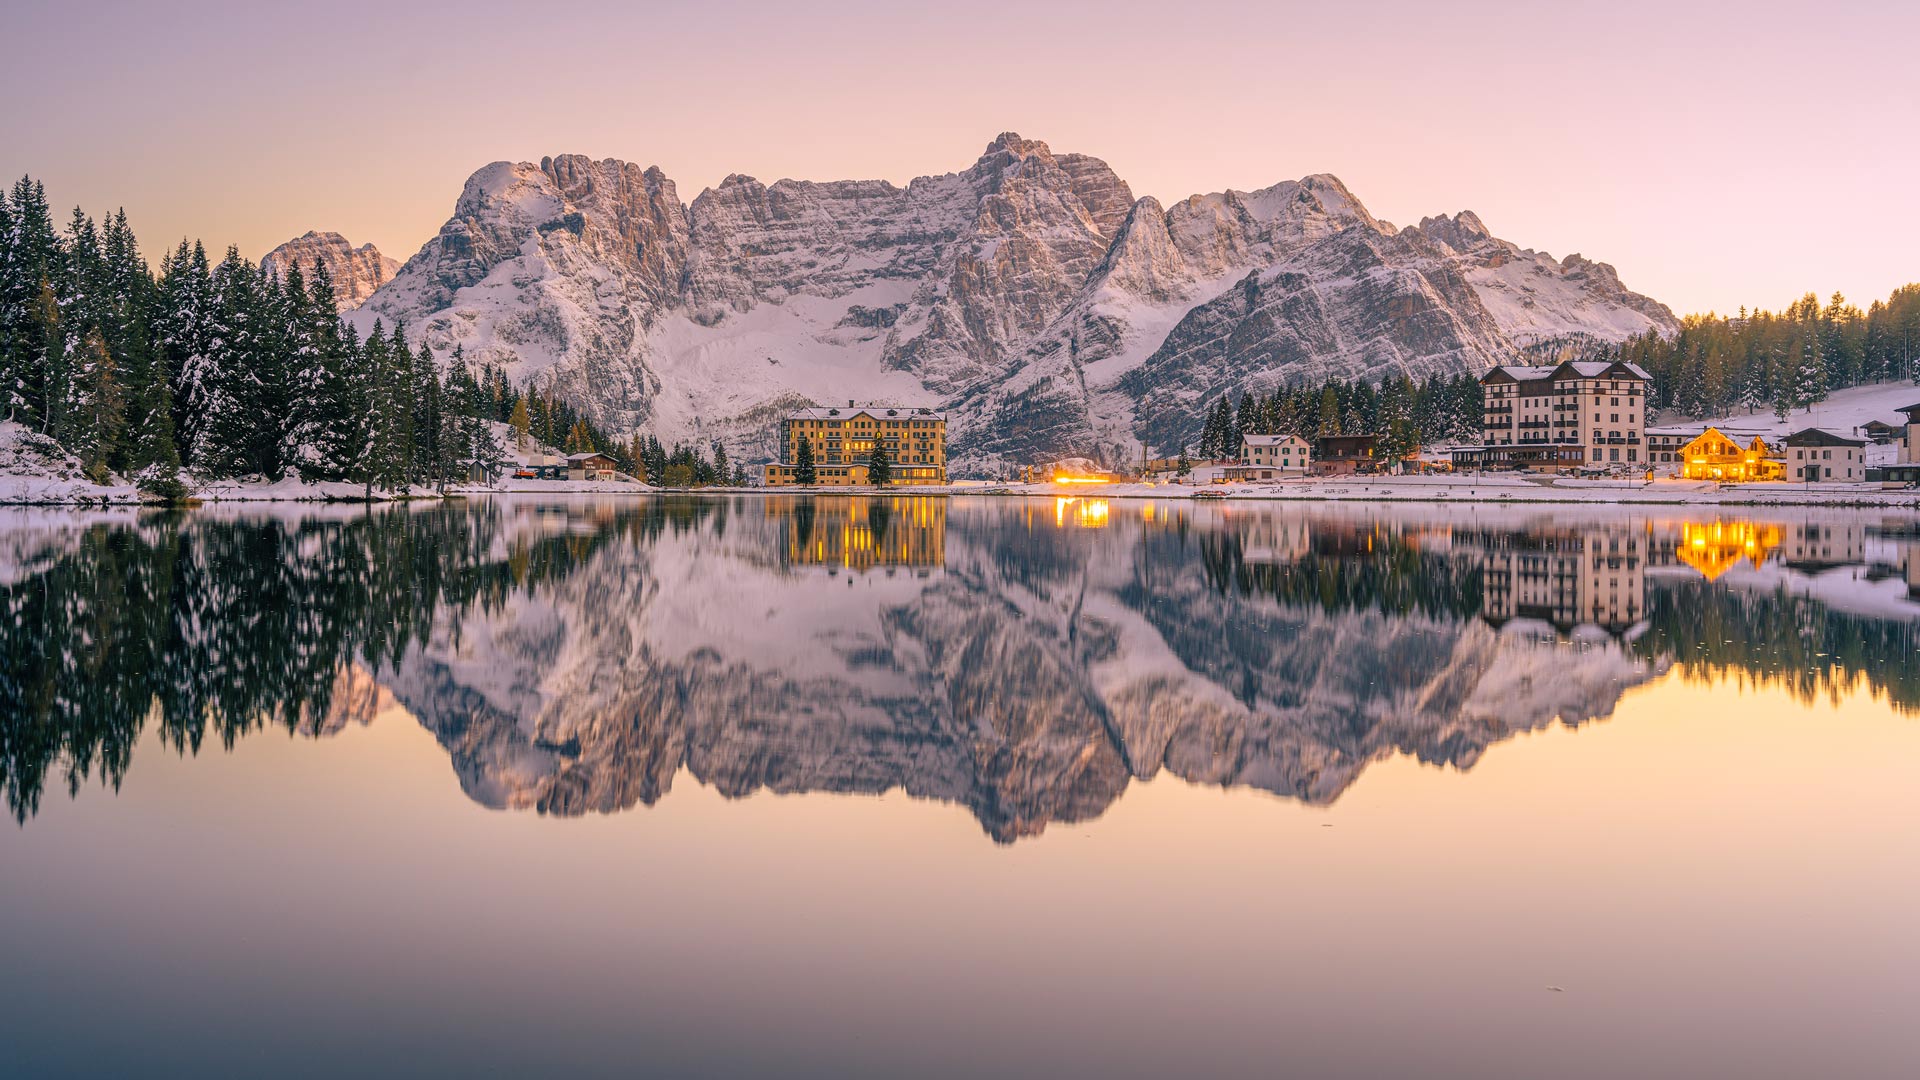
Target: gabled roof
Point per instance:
(588, 456)
(1910, 410)
(878, 412)
(1599, 369)
(1515, 373)
(1570, 369)
(1269, 440)
(1817, 437)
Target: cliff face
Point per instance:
(357, 271)
(1030, 293)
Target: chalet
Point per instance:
(1716, 456)
(1343, 455)
(538, 465)
(1881, 433)
(594, 466)
(1816, 455)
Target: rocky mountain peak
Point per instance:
(1029, 292)
(1010, 143)
(357, 271)
(1461, 232)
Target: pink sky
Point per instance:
(1716, 153)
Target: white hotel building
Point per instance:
(1579, 414)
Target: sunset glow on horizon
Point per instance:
(1717, 155)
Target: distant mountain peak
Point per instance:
(358, 272)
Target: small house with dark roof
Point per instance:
(1816, 455)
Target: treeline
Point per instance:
(1780, 362)
(683, 466)
(223, 368)
(1405, 415)
(231, 371)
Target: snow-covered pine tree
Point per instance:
(29, 310)
(189, 309)
(227, 439)
(99, 408)
(429, 413)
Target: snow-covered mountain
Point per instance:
(1031, 293)
(357, 271)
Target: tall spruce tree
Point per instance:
(804, 471)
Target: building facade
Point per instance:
(1714, 455)
(843, 439)
(1538, 417)
(1820, 456)
(1284, 455)
(1343, 455)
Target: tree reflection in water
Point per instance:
(1026, 659)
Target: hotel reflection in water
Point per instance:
(1596, 575)
(863, 533)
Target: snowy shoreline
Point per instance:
(1510, 489)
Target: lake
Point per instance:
(918, 786)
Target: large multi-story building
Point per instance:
(1571, 415)
(842, 441)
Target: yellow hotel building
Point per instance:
(843, 439)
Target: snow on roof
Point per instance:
(837, 412)
(1585, 369)
(1269, 440)
(587, 456)
(1818, 437)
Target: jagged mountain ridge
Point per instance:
(357, 271)
(1032, 294)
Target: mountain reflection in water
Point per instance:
(1027, 659)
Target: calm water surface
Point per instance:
(931, 787)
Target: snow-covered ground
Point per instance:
(1842, 414)
(34, 470)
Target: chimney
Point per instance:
(849, 403)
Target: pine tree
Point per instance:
(99, 409)
(29, 308)
(318, 438)
(723, 475)
(1329, 423)
(230, 389)
(429, 414)
(803, 468)
(189, 307)
(879, 469)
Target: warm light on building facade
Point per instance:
(843, 439)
